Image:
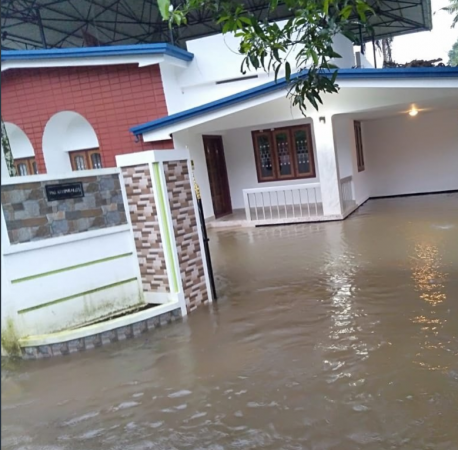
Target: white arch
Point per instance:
(66, 131)
(20, 144)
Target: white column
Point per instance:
(327, 166)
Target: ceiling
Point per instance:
(34, 24)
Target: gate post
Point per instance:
(166, 226)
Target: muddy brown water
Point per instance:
(326, 336)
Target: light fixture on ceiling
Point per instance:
(413, 111)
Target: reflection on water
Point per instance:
(338, 336)
(427, 275)
(430, 283)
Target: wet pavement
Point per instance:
(335, 336)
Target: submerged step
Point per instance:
(114, 329)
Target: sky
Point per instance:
(426, 44)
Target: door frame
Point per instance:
(225, 184)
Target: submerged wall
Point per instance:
(94, 256)
(65, 262)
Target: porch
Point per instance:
(285, 204)
(276, 166)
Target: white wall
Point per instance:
(344, 141)
(66, 131)
(241, 166)
(42, 291)
(362, 62)
(412, 154)
(217, 58)
(50, 278)
(20, 144)
(194, 143)
(79, 135)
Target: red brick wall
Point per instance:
(111, 98)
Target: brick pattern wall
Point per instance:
(29, 216)
(112, 98)
(186, 233)
(145, 225)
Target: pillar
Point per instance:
(168, 238)
(327, 166)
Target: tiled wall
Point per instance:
(112, 98)
(186, 233)
(29, 216)
(100, 339)
(145, 225)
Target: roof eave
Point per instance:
(347, 74)
(97, 52)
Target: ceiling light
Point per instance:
(413, 112)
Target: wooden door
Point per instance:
(217, 174)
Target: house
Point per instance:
(257, 159)
(72, 115)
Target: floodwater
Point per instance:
(326, 336)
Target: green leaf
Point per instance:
(245, 20)
(226, 27)
(164, 6)
(273, 4)
(287, 71)
(346, 11)
(334, 77)
(277, 69)
(326, 7)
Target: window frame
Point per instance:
(87, 155)
(359, 146)
(29, 162)
(271, 134)
(254, 136)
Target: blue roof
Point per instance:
(281, 83)
(94, 52)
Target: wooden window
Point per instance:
(284, 154)
(86, 160)
(26, 166)
(359, 146)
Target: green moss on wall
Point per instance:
(10, 341)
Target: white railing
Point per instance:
(283, 203)
(346, 188)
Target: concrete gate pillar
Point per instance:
(159, 189)
(327, 166)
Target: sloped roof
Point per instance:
(272, 86)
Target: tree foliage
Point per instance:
(6, 147)
(453, 55)
(453, 10)
(264, 45)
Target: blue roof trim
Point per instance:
(344, 74)
(94, 52)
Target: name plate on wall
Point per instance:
(64, 191)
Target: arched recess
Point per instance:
(22, 149)
(68, 135)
